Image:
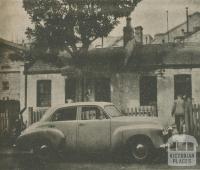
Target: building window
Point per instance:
(148, 90)
(5, 85)
(43, 93)
(70, 89)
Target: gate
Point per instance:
(195, 123)
(9, 110)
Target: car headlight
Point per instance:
(167, 130)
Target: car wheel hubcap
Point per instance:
(140, 151)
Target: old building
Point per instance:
(133, 76)
(153, 76)
(185, 29)
(11, 71)
(12, 84)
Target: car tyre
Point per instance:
(141, 150)
(43, 151)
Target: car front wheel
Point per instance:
(43, 151)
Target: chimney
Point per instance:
(128, 31)
(139, 34)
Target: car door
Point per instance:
(93, 129)
(65, 119)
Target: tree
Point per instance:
(72, 25)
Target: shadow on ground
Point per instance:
(30, 162)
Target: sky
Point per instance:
(150, 14)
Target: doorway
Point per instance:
(182, 85)
(102, 89)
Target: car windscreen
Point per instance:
(112, 111)
(47, 114)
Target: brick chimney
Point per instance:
(139, 34)
(128, 31)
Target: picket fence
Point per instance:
(35, 114)
(150, 111)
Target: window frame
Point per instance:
(107, 116)
(38, 96)
(52, 115)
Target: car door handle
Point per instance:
(81, 124)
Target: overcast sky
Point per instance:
(151, 14)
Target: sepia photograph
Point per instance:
(99, 84)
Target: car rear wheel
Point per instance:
(140, 150)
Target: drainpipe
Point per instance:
(187, 20)
(25, 89)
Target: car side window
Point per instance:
(65, 114)
(92, 113)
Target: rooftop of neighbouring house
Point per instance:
(179, 25)
(181, 31)
(106, 42)
(11, 51)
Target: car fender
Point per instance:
(123, 134)
(53, 136)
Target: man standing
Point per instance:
(178, 112)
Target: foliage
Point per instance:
(72, 25)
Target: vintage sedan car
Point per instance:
(94, 127)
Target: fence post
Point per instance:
(136, 112)
(197, 121)
(30, 113)
(7, 125)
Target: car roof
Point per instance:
(101, 104)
